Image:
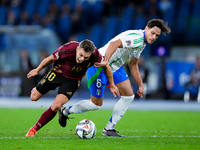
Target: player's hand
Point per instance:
(114, 90)
(101, 64)
(140, 92)
(32, 73)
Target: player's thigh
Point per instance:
(122, 81)
(125, 88)
(35, 95)
(49, 82)
(69, 87)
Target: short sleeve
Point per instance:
(132, 40)
(56, 54)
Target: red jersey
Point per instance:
(65, 61)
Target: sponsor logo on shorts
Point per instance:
(43, 81)
(69, 93)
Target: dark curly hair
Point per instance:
(160, 24)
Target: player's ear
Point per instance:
(146, 28)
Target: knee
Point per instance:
(56, 107)
(97, 103)
(128, 98)
(33, 97)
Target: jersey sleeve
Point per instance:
(56, 54)
(134, 40)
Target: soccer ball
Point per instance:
(86, 129)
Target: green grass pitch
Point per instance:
(144, 130)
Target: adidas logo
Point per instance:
(69, 93)
(86, 127)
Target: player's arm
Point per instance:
(109, 75)
(110, 50)
(133, 65)
(46, 62)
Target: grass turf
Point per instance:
(162, 130)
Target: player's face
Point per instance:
(81, 55)
(151, 34)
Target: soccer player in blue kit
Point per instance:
(127, 45)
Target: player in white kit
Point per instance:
(127, 45)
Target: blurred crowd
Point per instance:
(193, 84)
(69, 17)
(27, 65)
(99, 21)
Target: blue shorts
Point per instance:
(97, 80)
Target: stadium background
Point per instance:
(37, 25)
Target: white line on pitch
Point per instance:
(153, 136)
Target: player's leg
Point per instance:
(122, 105)
(42, 88)
(80, 107)
(96, 90)
(127, 96)
(35, 95)
(49, 114)
(84, 106)
(91, 104)
(60, 100)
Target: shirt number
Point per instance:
(98, 84)
(77, 69)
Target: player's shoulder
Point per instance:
(133, 33)
(96, 52)
(96, 55)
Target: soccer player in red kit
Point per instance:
(71, 62)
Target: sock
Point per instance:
(47, 116)
(119, 110)
(81, 107)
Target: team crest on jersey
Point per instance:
(128, 43)
(43, 81)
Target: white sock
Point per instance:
(81, 107)
(119, 110)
